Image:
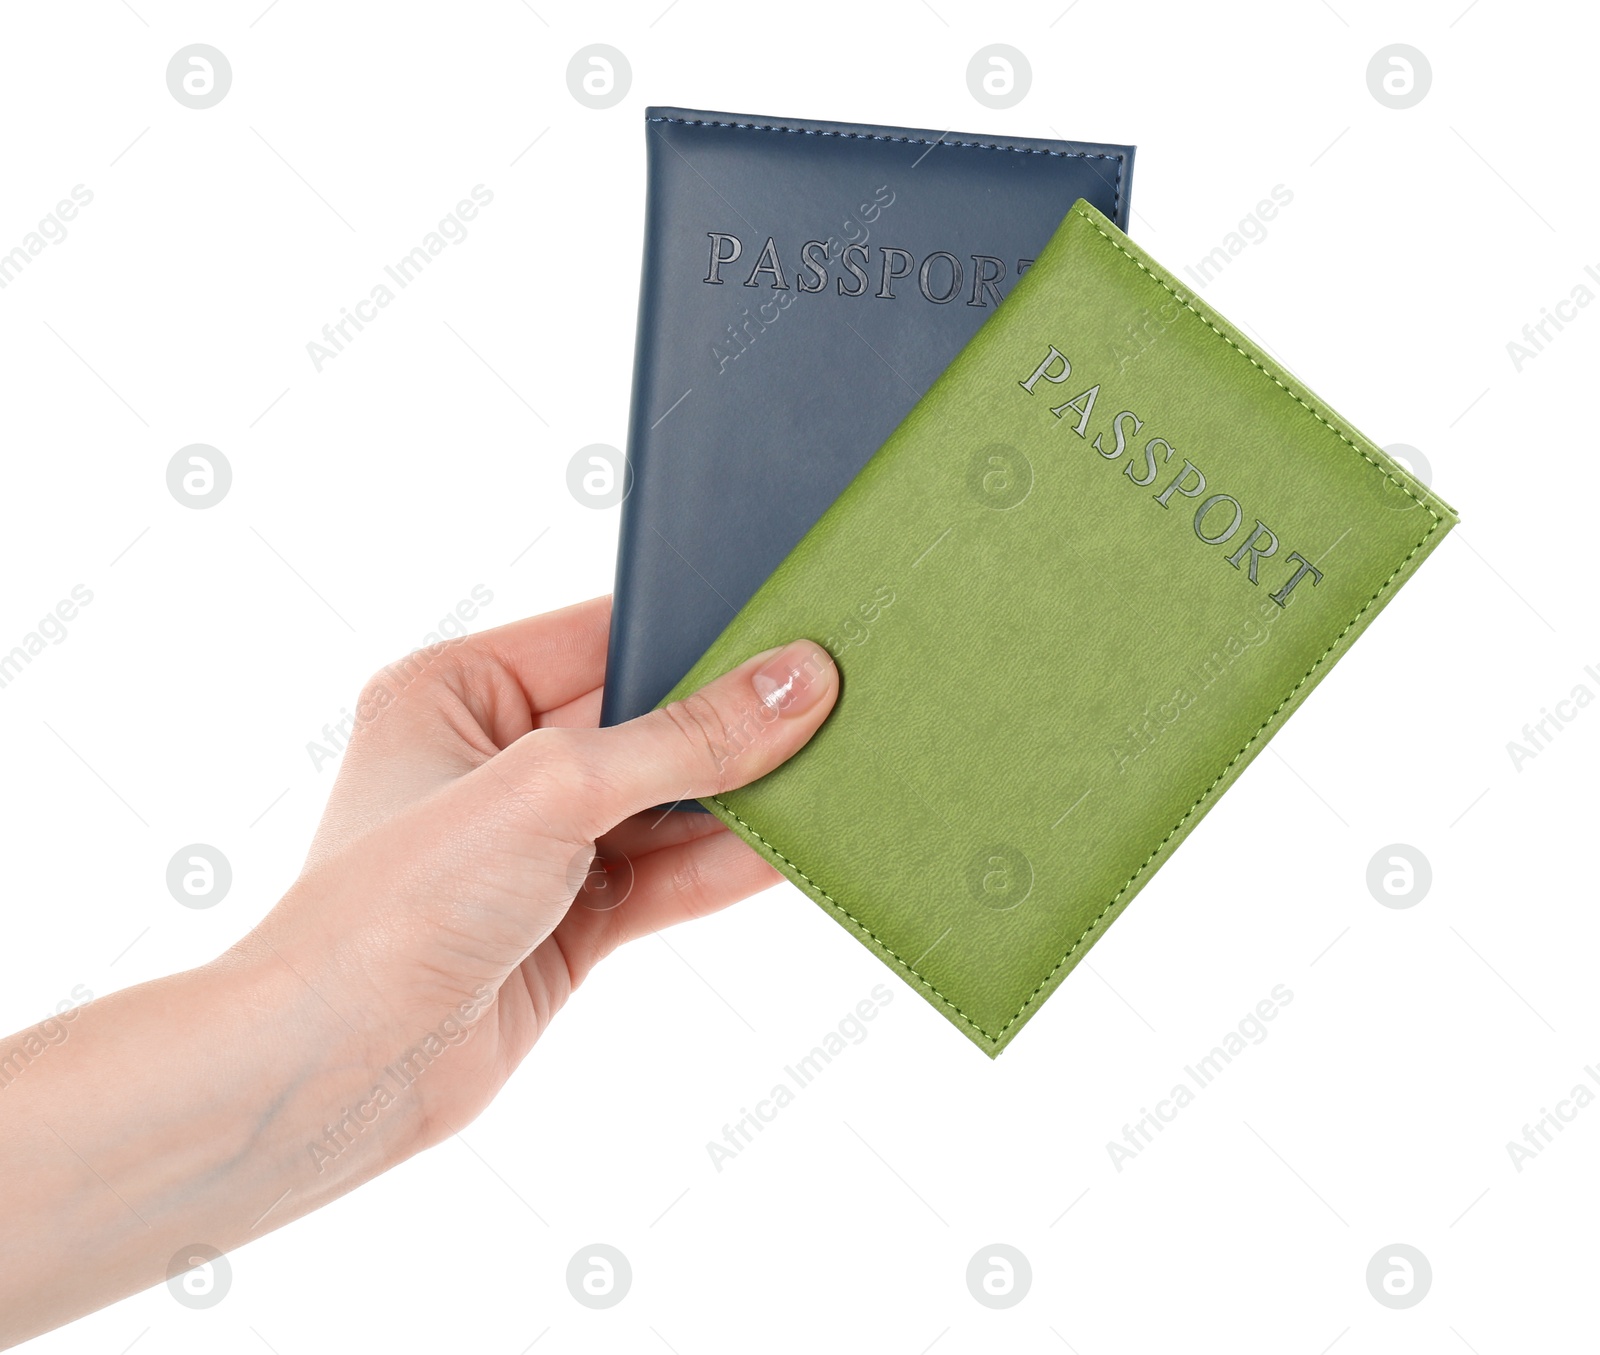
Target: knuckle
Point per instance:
(563, 787)
(378, 694)
(700, 723)
(689, 878)
(554, 773)
(395, 680)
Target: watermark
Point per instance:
(199, 76)
(1000, 877)
(385, 689)
(1538, 735)
(1420, 468)
(599, 476)
(51, 230)
(599, 1275)
(1142, 733)
(1251, 230)
(1141, 333)
(199, 476)
(199, 876)
(451, 230)
(199, 1276)
(397, 1078)
(599, 76)
(600, 880)
(34, 1043)
(999, 76)
(999, 476)
(797, 1076)
(855, 628)
(1399, 76)
(740, 335)
(999, 1275)
(50, 630)
(1251, 1030)
(1399, 1276)
(1399, 875)
(1539, 1135)
(1537, 335)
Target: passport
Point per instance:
(803, 284)
(1092, 572)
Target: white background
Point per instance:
(369, 498)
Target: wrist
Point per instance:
(318, 1055)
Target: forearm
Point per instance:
(191, 1110)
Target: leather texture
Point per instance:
(754, 403)
(1049, 671)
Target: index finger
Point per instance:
(549, 661)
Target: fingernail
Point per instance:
(793, 679)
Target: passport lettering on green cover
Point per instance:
(1086, 579)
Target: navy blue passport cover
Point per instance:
(804, 283)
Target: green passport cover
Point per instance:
(1085, 580)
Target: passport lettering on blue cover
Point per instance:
(804, 283)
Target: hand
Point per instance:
(447, 911)
(455, 875)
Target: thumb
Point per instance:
(735, 729)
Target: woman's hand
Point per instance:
(485, 845)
